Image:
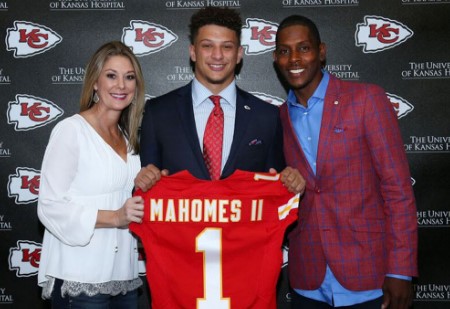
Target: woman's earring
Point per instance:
(95, 98)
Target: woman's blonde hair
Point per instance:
(130, 119)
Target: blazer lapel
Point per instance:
(330, 117)
(243, 118)
(186, 118)
(289, 133)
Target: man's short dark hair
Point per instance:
(300, 21)
(219, 16)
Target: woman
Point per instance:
(89, 258)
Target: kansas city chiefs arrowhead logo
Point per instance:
(29, 112)
(28, 39)
(258, 36)
(25, 258)
(24, 185)
(268, 98)
(401, 106)
(378, 33)
(146, 38)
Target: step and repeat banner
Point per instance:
(402, 45)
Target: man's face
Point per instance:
(299, 59)
(215, 52)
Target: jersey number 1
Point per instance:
(209, 241)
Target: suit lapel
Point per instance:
(293, 140)
(330, 117)
(186, 118)
(243, 118)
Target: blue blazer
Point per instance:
(169, 137)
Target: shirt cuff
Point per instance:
(399, 277)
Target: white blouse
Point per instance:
(81, 174)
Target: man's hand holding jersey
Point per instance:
(292, 180)
(148, 176)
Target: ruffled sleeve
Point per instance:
(68, 220)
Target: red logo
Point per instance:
(258, 36)
(28, 39)
(25, 258)
(29, 112)
(146, 38)
(378, 33)
(24, 185)
(401, 106)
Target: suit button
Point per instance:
(317, 189)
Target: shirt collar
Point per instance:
(318, 95)
(200, 93)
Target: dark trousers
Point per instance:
(99, 301)
(300, 302)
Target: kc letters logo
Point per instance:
(24, 185)
(29, 112)
(258, 36)
(379, 33)
(25, 258)
(28, 39)
(146, 38)
(401, 106)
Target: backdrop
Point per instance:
(402, 45)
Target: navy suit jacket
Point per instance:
(169, 137)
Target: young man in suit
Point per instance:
(174, 124)
(355, 244)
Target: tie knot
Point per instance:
(216, 100)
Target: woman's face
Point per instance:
(116, 85)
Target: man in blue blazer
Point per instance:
(173, 125)
(170, 140)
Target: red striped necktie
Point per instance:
(213, 139)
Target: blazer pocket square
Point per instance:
(255, 142)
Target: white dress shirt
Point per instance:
(203, 107)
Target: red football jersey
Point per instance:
(215, 244)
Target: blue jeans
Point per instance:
(99, 301)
